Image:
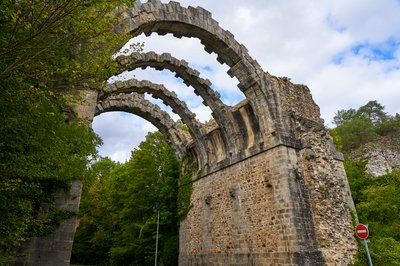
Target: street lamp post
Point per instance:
(158, 222)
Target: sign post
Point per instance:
(363, 233)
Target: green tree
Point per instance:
(377, 200)
(343, 116)
(358, 180)
(39, 154)
(356, 132)
(390, 127)
(366, 124)
(48, 50)
(92, 240)
(373, 111)
(125, 219)
(59, 45)
(378, 204)
(152, 173)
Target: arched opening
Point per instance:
(127, 208)
(135, 103)
(255, 189)
(192, 51)
(121, 133)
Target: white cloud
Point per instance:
(121, 133)
(310, 41)
(369, 19)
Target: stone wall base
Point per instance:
(279, 258)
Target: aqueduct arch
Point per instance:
(271, 188)
(275, 186)
(135, 103)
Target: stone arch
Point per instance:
(160, 18)
(158, 92)
(264, 202)
(196, 129)
(211, 98)
(202, 87)
(136, 104)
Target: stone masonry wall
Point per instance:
(329, 193)
(270, 188)
(254, 212)
(54, 249)
(296, 98)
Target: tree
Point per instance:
(122, 225)
(39, 154)
(355, 132)
(343, 116)
(152, 174)
(373, 111)
(377, 199)
(92, 240)
(390, 127)
(366, 124)
(48, 50)
(378, 204)
(59, 45)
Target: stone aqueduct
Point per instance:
(269, 188)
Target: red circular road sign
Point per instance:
(362, 231)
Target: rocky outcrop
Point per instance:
(382, 156)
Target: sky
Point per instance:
(346, 52)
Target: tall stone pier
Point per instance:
(54, 249)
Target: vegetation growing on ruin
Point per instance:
(51, 49)
(184, 194)
(39, 154)
(48, 51)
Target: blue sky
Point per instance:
(377, 52)
(346, 52)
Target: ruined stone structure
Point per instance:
(269, 187)
(54, 249)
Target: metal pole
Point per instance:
(369, 256)
(158, 221)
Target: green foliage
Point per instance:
(48, 50)
(355, 171)
(336, 139)
(390, 126)
(384, 251)
(59, 45)
(358, 131)
(184, 195)
(357, 127)
(343, 116)
(378, 204)
(39, 154)
(93, 239)
(119, 211)
(377, 199)
(373, 111)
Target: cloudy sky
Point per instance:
(346, 51)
